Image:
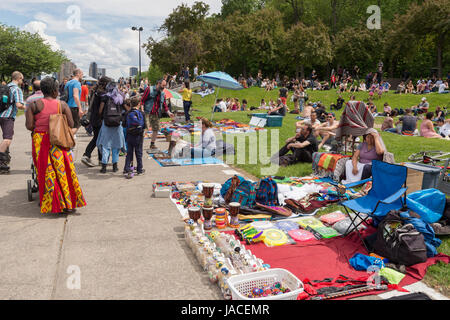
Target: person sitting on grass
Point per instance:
(444, 127)
(386, 109)
(207, 146)
(220, 106)
(339, 104)
(327, 130)
(401, 88)
(302, 146)
(279, 110)
(263, 105)
(312, 120)
(410, 87)
(244, 105)
(388, 123)
(427, 128)
(422, 107)
(409, 123)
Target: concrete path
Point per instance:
(124, 245)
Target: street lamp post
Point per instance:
(139, 29)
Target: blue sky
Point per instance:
(94, 30)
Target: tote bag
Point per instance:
(59, 131)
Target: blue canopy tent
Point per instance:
(220, 79)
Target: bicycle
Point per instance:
(429, 157)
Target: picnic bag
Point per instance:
(400, 242)
(59, 131)
(237, 189)
(267, 193)
(5, 97)
(112, 114)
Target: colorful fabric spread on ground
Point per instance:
(58, 183)
(225, 126)
(309, 247)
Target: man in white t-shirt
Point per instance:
(443, 87)
(220, 106)
(313, 121)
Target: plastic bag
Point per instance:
(429, 204)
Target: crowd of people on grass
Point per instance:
(117, 115)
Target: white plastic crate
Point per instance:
(242, 285)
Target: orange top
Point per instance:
(84, 93)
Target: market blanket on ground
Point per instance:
(355, 120)
(175, 162)
(329, 258)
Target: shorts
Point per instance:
(283, 100)
(84, 106)
(154, 122)
(76, 118)
(7, 126)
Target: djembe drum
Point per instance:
(194, 213)
(207, 215)
(208, 191)
(234, 212)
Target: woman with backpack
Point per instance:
(111, 139)
(95, 120)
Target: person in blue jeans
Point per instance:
(135, 126)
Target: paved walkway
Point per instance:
(125, 243)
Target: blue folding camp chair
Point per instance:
(388, 193)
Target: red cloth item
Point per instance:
(329, 258)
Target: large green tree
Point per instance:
(27, 53)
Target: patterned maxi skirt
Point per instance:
(58, 182)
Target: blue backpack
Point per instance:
(244, 192)
(136, 123)
(267, 193)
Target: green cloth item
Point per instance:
(393, 276)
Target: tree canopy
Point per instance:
(289, 36)
(26, 52)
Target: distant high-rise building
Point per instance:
(93, 70)
(101, 72)
(66, 70)
(133, 71)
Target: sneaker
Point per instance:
(87, 161)
(141, 173)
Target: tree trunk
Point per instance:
(302, 71)
(440, 45)
(334, 17)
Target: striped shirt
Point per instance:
(16, 96)
(34, 97)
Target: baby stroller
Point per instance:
(33, 183)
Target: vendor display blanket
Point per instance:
(329, 258)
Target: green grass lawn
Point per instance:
(438, 276)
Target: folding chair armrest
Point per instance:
(394, 197)
(358, 183)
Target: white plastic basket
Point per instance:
(242, 285)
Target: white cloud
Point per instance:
(39, 27)
(105, 35)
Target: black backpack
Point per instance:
(65, 95)
(112, 114)
(5, 97)
(398, 242)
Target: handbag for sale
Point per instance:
(59, 131)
